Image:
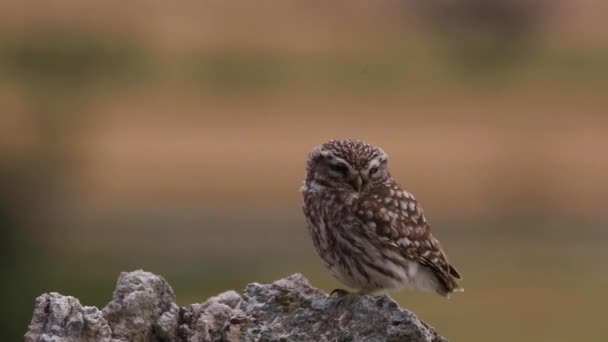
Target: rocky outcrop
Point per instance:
(143, 309)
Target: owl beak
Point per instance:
(358, 183)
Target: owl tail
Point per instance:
(447, 276)
(450, 282)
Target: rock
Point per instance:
(290, 308)
(60, 318)
(209, 321)
(143, 309)
(140, 300)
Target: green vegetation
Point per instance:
(76, 60)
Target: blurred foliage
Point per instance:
(70, 58)
(484, 37)
(55, 70)
(62, 66)
(22, 261)
(238, 69)
(501, 22)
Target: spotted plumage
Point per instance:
(371, 234)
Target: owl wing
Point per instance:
(398, 220)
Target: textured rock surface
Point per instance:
(62, 318)
(143, 309)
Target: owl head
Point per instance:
(349, 165)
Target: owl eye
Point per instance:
(373, 170)
(340, 168)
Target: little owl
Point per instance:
(371, 234)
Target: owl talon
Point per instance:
(341, 297)
(339, 293)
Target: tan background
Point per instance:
(172, 137)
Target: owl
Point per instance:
(370, 233)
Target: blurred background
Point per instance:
(172, 136)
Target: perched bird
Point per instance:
(371, 234)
